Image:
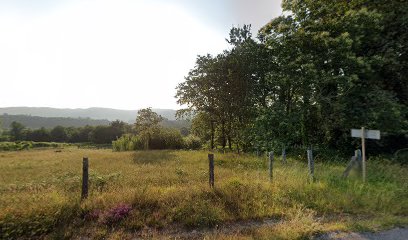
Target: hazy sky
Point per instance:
(124, 54)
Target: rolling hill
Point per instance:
(93, 113)
(35, 118)
(35, 122)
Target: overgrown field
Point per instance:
(139, 193)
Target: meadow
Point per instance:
(152, 193)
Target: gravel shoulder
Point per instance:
(392, 234)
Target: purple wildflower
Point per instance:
(116, 214)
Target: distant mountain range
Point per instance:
(37, 117)
(93, 113)
(35, 122)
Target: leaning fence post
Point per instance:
(211, 168)
(349, 167)
(85, 178)
(310, 163)
(270, 166)
(357, 154)
(284, 155)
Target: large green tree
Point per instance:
(329, 60)
(17, 131)
(147, 123)
(222, 90)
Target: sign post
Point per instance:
(363, 153)
(363, 134)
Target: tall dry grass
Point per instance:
(129, 191)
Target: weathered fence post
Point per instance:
(85, 178)
(211, 168)
(355, 160)
(258, 153)
(310, 163)
(270, 166)
(357, 154)
(284, 155)
(349, 167)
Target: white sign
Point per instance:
(371, 134)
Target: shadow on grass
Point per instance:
(153, 157)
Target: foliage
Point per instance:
(161, 138)
(118, 132)
(59, 134)
(16, 131)
(99, 134)
(311, 75)
(401, 156)
(26, 145)
(222, 90)
(147, 123)
(192, 142)
(127, 142)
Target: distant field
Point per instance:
(149, 193)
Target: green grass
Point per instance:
(40, 194)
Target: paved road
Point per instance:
(393, 234)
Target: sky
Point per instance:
(124, 54)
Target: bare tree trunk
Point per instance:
(224, 141)
(212, 135)
(147, 143)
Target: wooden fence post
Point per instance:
(357, 154)
(211, 168)
(284, 155)
(270, 166)
(85, 178)
(355, 161)
(349, 167)
(310, 163)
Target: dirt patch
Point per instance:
(392, 234)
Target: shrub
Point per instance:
(169, 138)
(25, 145)
(401, 156)
(192, 142)
(127, 143)
(163, 138)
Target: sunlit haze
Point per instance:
(118, 54)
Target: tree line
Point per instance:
(148, 132)
(95, 134)
(307, 78)
(35, 122)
